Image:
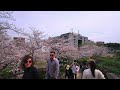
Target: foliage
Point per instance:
(63, 50)
(62, 72)
(40, 64)
(83, 59)
(42, 74)
(109, 65)
(117, 54)
(65, 60)
(8, 51)
(6, 72)
(115, 46)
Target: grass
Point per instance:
(110, 65)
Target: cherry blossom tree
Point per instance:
(63, 49)
(9, 53)
(5, 47)
(4, 17)
(93, 50)
(34, 42)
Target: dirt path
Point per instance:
(79, 76)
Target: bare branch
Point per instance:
(6, 14)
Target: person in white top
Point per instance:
(75, 70)
(92, 72)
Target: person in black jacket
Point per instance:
(68, 73)
(27, 64)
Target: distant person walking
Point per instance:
(68, 73)
(92, 72)
(27, 64)
(52, 67)
(75, 70)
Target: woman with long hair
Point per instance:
(27, 64)
(92, 72)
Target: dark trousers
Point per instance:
(67, 76)
(71, 76)
(75, 76)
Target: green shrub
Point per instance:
(42, 74)
(83, 59)
(62, 71)
(117, 54)
(109, 65)
(6, 72)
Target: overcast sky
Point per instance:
(96, 25)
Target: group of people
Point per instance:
(72, 71)
(88, 71)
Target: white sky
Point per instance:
(96, 25)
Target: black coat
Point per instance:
(69, 73)
(30, 73)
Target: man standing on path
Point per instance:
(52, 67)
